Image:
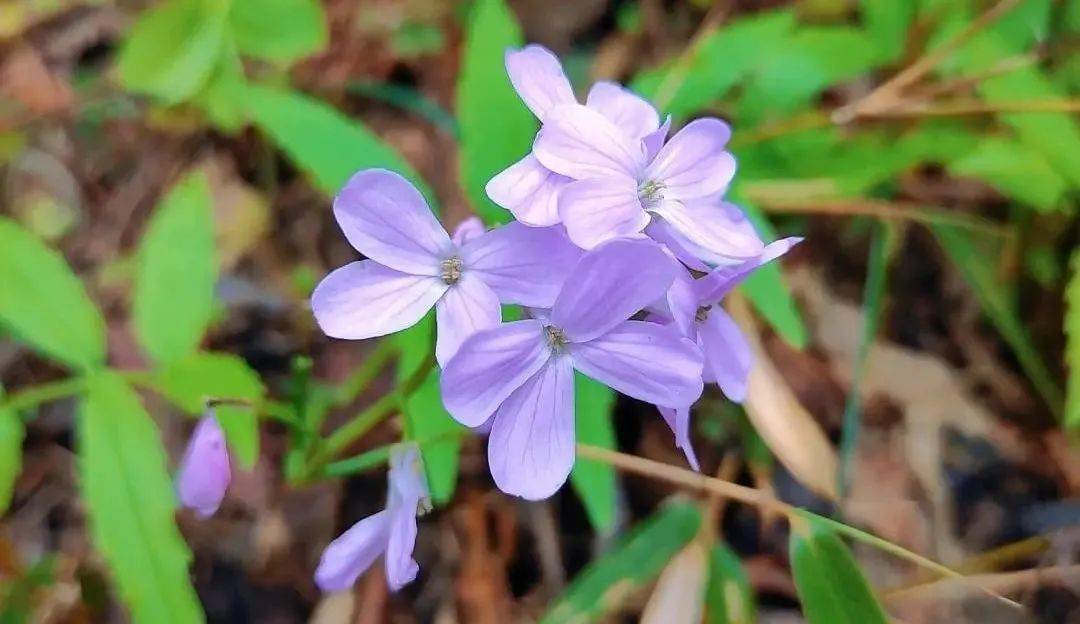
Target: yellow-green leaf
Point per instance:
(278, 30)
(1072, 345)
(594, 481)
(11, 438)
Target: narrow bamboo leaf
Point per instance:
(594, 481)
(728, 596)
(1072, 345)
(44, 304)
(12, 432)
(496, 128)
(174, 282)
(629, 566)
(130, 504)
(278, 30)
(427, 419)
(887, 23)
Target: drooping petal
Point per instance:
(653, 141)
(580, 143)
(531, 447)
(386, 219)
(523, 265)
(366, 299)
(467, 230)
(467, 307)
(720, 281)
(598, 210)
(712, 232)
(728, 352)
(401, 568)
(694, 163)
(609, 285)
(633, 115)
(680, 304)
(538, 78)
(489, 366)
(406, 475)
(205, 472)
(353, 552)
(529, 190)
(662, 232)
(647, 361)
(679, 421)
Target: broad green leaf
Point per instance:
(632, 564)
(496, 128)
(190, 381)
(278, 30)
(830, 585)
(224, 98)
(1014, 169)
(12, 432)
(887, 24)
(594, 481)
(173, 48)
(427, 419)
(728, 596)
(415, 345)
(1072, 345)
(130, 504)
(44, 304)
(174, 281)
(325, 144)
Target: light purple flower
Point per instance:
(413, 265)
(521, 374)
(528, 189)
(205, 472)
(391, 532)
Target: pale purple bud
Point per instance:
(204, 472)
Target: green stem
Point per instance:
(43, 393)
(377, 456)
(365, 373)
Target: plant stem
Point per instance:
(379, 455)
(43, 393)
(365, 373)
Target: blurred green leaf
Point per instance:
(17, 596)
(177, 269)
(496, 128)
(190, 381)
(831, 587)
(414, 345)
(12, 432)
(278, 30)
(427, 419)
(325, 144)
(173, 48)
(1014, 169)
(635, 562)
(594, 481)
(130, 504)
(887, 23)
(44, 304)
(224, 98)
(1072, 345)
(728, 596)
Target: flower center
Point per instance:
(702, 314)
(651, 193)
(556, 338)
(450, 270)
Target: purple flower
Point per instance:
(527, 188)
(414, 265)
(521, 374)
(391, 532)
(204, 472)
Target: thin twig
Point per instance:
(979, 108)
(676, 76)
(962, 83)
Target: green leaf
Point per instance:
(427, 419)
(190, 381)
(278, 30)
(887, 23)
(830, 585)
(173, 48)
(224, 98)
(130, 504)
(728, 596)
(44, 304)
(325, 144)
(594, 481)
(12, 432)
(1072, 345)
(174, 280)
(632, 564)
(496, 127)
(1014, 169)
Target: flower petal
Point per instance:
(205, 472)
(679, 421)
(662, 232)
(523, 265)
(715, 233)
(531, 447)
(467, 307)
(694, 163)
(489, 366)
(353, 552)
(720, 281)
(580, 143)
(529, 190)
(727, 351)
(401, 568)
(600, 209)
(610, 284)
(538, 78)
(647, 361)
(467, 230)
(633, 115)
(679, 304)
(365, 299)
(386, 219)
(653, 141)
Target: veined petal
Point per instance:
(529, 190)
(531, 447)
(580, 143)
(467, 230)
(662, 232)
(644, 360)
(694, 163)
(720, 281)
(632, 114)
(610, 284)
(727, 351)
(653, 141)
(538, 78)
(679, 421)
(489, 366)
(523, 265)
(205, 471)
(348, 556)
(597, 210)
(366, 299)
(714, 233)
(467, 307)
(680, 304)
(386, 219)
